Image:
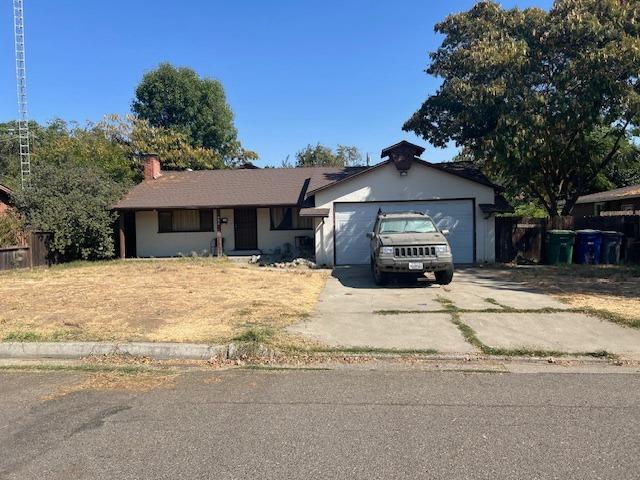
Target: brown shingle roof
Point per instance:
(615, 194)
(460, 169)
(231, 188)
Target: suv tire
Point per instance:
(379, 278)
(444, 277)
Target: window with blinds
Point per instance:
(288, 218)
(185, 220)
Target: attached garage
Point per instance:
(458, 197)
(353, 220)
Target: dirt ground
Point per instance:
(186, 300)
(615, 289)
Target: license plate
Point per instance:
(415, 266)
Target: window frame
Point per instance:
(295, 212)
(200, 211)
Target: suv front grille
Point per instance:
(417, 252)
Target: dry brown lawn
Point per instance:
(614, 289)
(186, 300)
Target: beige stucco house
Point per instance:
(324, 211)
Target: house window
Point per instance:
(598, 208)
(288, 218)
(626, 207)
(185, 221)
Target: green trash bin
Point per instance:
(559, 246)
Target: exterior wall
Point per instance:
(226, 228)
(420, 183)
(150, 243)
(588, 209)
(583, 210)
(269, 240)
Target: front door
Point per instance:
(245, 227)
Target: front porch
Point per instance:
(245, 231)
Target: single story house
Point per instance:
(619, 201)
(323, 209)
(5, 198)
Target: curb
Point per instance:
(68, 350)
(198, 351)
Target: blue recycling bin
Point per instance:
(588, 246)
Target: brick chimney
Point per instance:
(151, 166)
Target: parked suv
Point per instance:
(409, 243)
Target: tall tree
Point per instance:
(136, 136)
(321, 156)
(178, 99)
(74, 202)
(542, 99)
(10, 151)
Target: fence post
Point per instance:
(30, 242)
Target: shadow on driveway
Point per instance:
(359, 276)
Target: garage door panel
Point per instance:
(354, 220)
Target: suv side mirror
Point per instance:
(445, 232)
(369, 235)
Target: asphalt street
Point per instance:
(308, 424)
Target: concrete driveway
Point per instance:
(353, 312)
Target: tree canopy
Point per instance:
(321, 156)
(178, 99)
(74, 202)
(543, 100)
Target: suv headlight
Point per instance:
(442, 249)
(386, 250)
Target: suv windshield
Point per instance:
(407, 225)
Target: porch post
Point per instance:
(123, 249)
(218, 233)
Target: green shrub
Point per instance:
(11, 227)
(74, 202)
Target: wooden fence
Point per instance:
(520, 239)
(33, 253)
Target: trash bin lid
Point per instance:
(612, 233)
(561, 232)
(588, 231)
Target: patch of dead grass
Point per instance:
(189, 300)
(615, 289)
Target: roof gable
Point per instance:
(454, 168)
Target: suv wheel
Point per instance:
(380, 278)
(444, 277)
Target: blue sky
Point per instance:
(295, 72)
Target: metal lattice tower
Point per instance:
(21, 82)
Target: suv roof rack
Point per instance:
(380, 212)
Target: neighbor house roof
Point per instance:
(4, 189)
(231, 188)
(615, 194)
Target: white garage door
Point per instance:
(354, 220)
